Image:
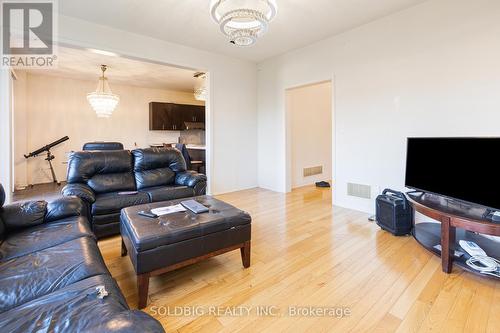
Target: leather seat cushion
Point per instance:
(164, 193)
(24, 214)
(22, 242)
(75, 308)
(145, 235)
(83, 165)
(25, 278)
(112, 182)
(154, 177)
(113, 202)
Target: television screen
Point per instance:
(460, 168)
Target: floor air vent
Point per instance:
(359, 190)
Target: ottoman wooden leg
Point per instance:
(245, 254)
(142, 289)
(124, 249)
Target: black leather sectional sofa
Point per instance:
(108, 181)
(53, 277)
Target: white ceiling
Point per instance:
(188, 22)
(86, 65)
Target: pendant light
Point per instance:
(103, 101)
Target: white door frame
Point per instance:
(288, 146)
(208, 105)
(6, 132)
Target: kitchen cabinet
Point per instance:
(172, 117)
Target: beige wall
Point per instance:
(20, 130)
(5, 132)
(310, 124)
(56, 107)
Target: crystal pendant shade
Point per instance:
(200, 94)
(200, 89)
(243, 21)
(103, 101)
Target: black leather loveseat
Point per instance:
(111, 180)
(52, 275)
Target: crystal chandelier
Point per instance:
(103, 101)
(200, 89)
(243, 21)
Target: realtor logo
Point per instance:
(28, 33)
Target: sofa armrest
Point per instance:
(82, 191)
(64, 207)
(193, 179)
(23, 214)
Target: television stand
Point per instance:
(457, 222)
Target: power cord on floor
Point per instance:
(485, 265)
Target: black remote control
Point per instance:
(148, 214)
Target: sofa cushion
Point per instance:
(113, 182)
(103, 171)
(23, 214)
(154, 177)
(157, 166)
(25, 278)
(25, 241)
(64, 207)
(110, 203)
(75, 308)
(164, 193)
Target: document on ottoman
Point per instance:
(168, 210)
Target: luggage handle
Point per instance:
(397, 194)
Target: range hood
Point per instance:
(194, 125)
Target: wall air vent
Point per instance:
(317, 170)
(359, 190)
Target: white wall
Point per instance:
(53, 107)
(431, 70)
(232, 117)
(309, 110)
(20, 130)
(5, 132)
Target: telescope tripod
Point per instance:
(49, 159)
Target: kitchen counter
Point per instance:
(188, 146)
(197, 147)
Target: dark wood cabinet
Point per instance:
(172, 117)
(193, 113)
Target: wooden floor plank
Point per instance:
(307, 253)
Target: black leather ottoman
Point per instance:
(157, 246)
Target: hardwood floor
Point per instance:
(307, 253)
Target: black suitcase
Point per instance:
(394, 213)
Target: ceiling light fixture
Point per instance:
(102, 52)
(200, 89)
(243, 21)
(103, 101)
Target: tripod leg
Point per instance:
(53, 173)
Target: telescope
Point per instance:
(49, 157)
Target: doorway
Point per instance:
(62, 109)
(309, 111)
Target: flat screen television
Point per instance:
(459, 168)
